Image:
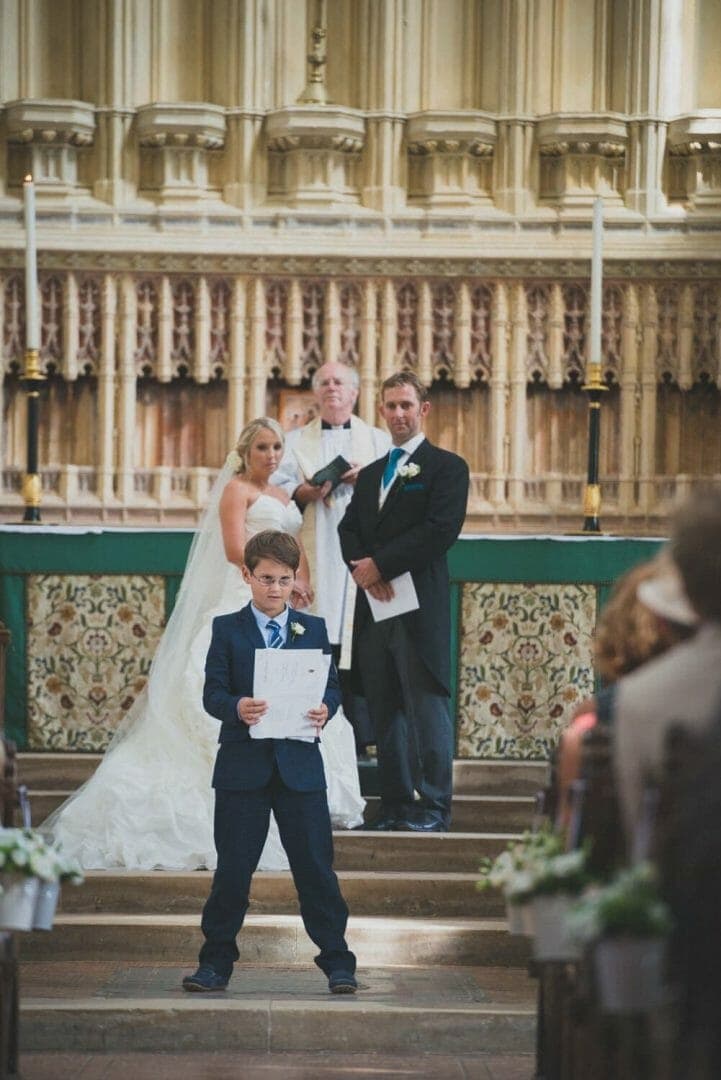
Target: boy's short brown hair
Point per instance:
(278, 546)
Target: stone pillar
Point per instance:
(367, 398)
(519, 332)
(246, 39)
(106, 389)
(425, 333)
(257, 376)
(647, 464)
(515, 131)
(499, 391)
(164, 363)
(628, 383)
(71, 326)
(237, 361)
(116, 175)
(555, 338)
(389, 329)
(655, 49)
(383, 187)
(294, 334)
(462, 342)
(685, 338)
(331, 330)
(126, 388)
(201, 368)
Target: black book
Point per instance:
(332, 471)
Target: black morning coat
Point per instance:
(419, 520)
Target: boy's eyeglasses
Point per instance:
(267, 581)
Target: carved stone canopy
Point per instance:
(559, 134)
(694, 150)
(695, 133)
(50, 121)
(316, 127)
(440, 131)
(181, 124)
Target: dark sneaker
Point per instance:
(205, 978)
(342, 982)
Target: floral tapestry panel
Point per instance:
(90, 643)
(524, 666)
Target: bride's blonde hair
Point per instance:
(248, 434)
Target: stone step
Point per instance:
(163, 892)
(279, 939)
(459, 852)
(56, 772)
(481, 813)
(43, 803)
(115, 1008)
(498, 777)
(65, 772)
(471, 813)
(402, 851)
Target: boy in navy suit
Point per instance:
(254, 776)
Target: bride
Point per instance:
(149, 804)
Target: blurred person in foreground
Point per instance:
(683, 686)
(647, 614)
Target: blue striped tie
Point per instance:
(276, 638)
(390, 469)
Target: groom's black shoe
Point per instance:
(342, 982)
(205, 978)
(423, 821)
(385, 822)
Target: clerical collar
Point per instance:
(325, 426)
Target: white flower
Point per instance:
(409, 471)
(297, 629)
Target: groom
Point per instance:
(254, 776)
(406, 511)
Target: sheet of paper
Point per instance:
(292, 681)
(405, 599)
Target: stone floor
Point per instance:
(296, 1066)
(403, 986)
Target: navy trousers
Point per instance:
(414, 732)
(241, 826)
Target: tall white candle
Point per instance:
(32, 325)
(594, 345)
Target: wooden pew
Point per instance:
(687, 851)
(13, 797)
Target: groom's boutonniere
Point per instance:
(297, 629)
(407, 472)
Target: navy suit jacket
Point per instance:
(245, 764)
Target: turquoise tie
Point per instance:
(276, 638)
(390, 469)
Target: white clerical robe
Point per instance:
(307, 449)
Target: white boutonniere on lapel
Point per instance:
(296, 630)
(408, 472)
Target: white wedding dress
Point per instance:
(149, 804)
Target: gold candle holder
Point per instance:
(32, 487)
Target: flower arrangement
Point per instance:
(536, 865)
(25, 852)
(628, 906)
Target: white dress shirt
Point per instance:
(408, 448)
